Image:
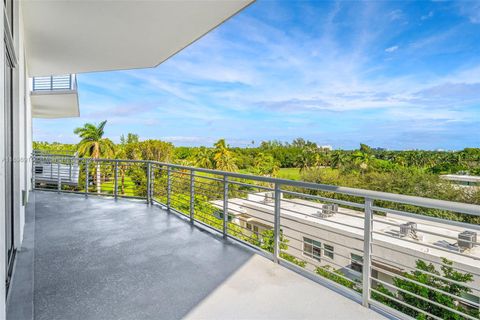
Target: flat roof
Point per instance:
(351, 222)
(460, 177)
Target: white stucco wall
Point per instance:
(22, 138)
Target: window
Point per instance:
(219, 215)
(357, 262)
(253, 228)
(328, 251)
(312, 248)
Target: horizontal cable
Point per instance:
(328, 243)
(424, 285)
(427, 245)
(316, 197)
(405, 304)
(424, 299)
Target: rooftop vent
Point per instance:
(327, 210)
(269, 197)
(409, 229)
(467, 239)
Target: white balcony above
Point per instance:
(54, 97)
(86, 36)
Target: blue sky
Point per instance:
(400, 75)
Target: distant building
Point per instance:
(326, 147)
(463, 180)
(329, 236)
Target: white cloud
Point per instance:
(391, 49)
(471, 10)
(427, 16)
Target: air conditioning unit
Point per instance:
(467, 239)
(269, 197)
(408, 229)
(327, 210)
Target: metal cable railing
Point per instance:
(382, 249)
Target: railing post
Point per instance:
(276, 224)
(51, 82)
(225, 207)
(152, 184)
(86, 177)
(192, 195)
(367, 251)
(59, 179)
(169, 187)
(33, 171)
(148, 181)
(115, 181)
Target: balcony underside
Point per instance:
(55, 104)
(97, 258)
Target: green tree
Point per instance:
(203, 158)
(365, 148)
(265, 165)
(94, 145)
(224, 158)
(267, 243)
(423, 275)
(362, 160)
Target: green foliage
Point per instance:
(204, 158)
(409, 181)
(265, 165)
(338, 277)
(403, 172)
(131, 138)
(422, 276)
(93, 144)
(267, 243)
(223, 158)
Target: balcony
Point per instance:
(95, 258)
(142, 239)
(54, 96)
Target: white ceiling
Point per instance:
(73, 36)
(55, 105)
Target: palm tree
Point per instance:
(203, 158)
(224, 158)
(362, 160)
(303, 161)
(122, 168)
(338, 159)
(94, 145)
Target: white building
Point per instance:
(324, 237)
(462, 180)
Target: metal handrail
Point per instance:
(193, 185)
(460, 207)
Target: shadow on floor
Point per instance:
(96, 258)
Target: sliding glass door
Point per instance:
(8, 141)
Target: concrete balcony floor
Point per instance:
(97, 258)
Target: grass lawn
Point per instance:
(289, 173)
(129, 186)
(283, 173)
